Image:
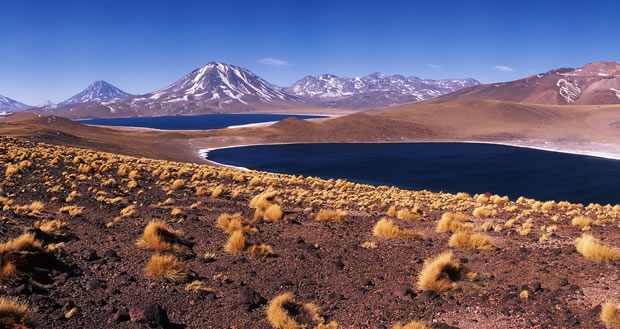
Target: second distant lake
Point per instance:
(195, 122)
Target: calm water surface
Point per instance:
(448, 167)
(196, 122)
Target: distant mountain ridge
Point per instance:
(373, 90)
(8, 104)
(596, 83)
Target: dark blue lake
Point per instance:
(448, 167)
(196, 122)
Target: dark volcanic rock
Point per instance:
(152, 315)
(250, 298)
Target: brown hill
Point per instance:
(594, 84)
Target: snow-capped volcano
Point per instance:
(7, 104)
(98, 91)
(376, 89)
(218, 81)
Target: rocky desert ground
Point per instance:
(91, 239)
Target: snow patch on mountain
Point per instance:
(570, 91)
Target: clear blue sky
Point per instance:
(54, 49)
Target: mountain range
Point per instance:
(219, 87)
(224, 88)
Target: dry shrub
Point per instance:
(134, 175)
(411, 325)
(128, 211)
(582, 221)
(441, 273)
(369, 245)
(330, 215)
(273, 213)
(198, 285)
(415, 214)
(474, 241)
(235, 243)
(17, 250)
(166, 266)
(217, 191)
(73, 211)
(392, 211)
(609, 315)
(177, 212)
(15, 314)
(260, 250)
(386, 229)
(12, 169)
(159, 237)
(178, 184)
(484, 212)
(284, 312)
(591, 247)
(50, 226)
(453, 222)
(231, 223)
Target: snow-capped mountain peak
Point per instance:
(98, 91)
(7, 104)
(219, 81)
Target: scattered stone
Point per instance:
(121, 316)
(152, 315)
(250, 298)
(89, 255)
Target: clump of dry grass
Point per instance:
(159, 237)
(411, 325)
(609, 315)
(178, 184)
(386, 229)
(454, 222)
(474, 241)
(484, 211)
(235, 243)
(415, 214)
(260, 249)
(14, 250)
(15, 314)
(12, 169)
(591, 247)
(128, 211)
(73, 211)
(330, 215)
(582, 221)
(284, 312)
(235, 222)
(369, 245)
(166, 266)
(441, 273)
(267, 206)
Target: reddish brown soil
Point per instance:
(101, 270)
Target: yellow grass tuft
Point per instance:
(15, 314)
(369, 245)
(50, 226)
(483, 212)
(159, 237)
(439, 274)
(474, 241)
(453, 222)
(73, 211)
(386, 229)
(411, 325)
(591, 247)
(178, 184)
(235, 243)
(392, 211)
(284, 312)
(582, 221)
(177, 212)
(330, 215)
(11, 169)
(415, 214)
(524, 294)
(217, 191)
(273, 213)
(198, 285)
(610, 315)
(166, 266)
(128, 211)
(260, 250)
